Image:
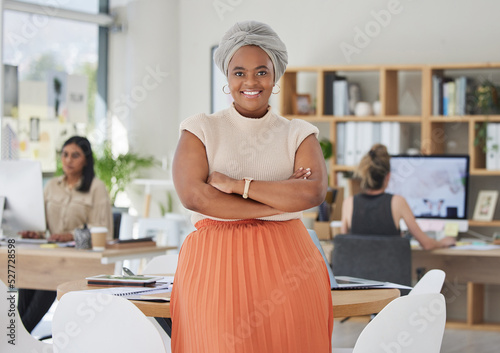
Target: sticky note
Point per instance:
(451, 229)
(49, 246)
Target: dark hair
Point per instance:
(374, 167)
(88, 170)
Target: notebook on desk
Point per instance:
(343, 282)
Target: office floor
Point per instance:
(454, 341)
(346, 333)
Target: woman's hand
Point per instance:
(222, 182)
(446, 242)
(61, 238)
(31, 234)
(301, 173)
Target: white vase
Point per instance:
(376, 107)
(363, 109)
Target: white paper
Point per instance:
(134, 292)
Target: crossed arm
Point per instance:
(218, 195)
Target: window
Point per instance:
(91, 6)
(52, 67)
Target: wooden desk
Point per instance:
(345, 302)
(42, 268)
(474, 267)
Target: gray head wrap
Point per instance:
(252, 33)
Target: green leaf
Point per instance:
(326, 148)
(118, 172)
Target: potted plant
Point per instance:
(117, 172)
(487, 102)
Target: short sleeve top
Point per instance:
(263, 149)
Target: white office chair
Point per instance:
(91, 322)
(24, 342)
(164, 264)
(431, 282)
(167, 231)
(410, 324)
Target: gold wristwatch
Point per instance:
(247, 186)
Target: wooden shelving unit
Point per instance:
(432, 140)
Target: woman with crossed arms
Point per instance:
(250, 279)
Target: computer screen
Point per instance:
(21, 189)
(434, 186)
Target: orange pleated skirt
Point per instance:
(251, 286)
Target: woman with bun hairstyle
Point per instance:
(375, 212)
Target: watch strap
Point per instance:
(247, 187)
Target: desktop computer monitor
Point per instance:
(21, 197)
(435, 186)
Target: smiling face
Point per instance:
(73, 160)
(251, 80)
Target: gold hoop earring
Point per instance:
(224, 90)
(279, 89)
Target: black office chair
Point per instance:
(381, 258)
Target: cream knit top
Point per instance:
(263, 149)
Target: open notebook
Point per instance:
(160, 292)
(343, 282)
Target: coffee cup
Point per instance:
(99, 236)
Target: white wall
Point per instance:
(144, 84)
(424, 31)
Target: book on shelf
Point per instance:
(340, 143)
(385, 133)
(497, 147)
(359, 143)
(492, 146)
(117, 280)
(340, 96)
(449, 97)
(364, 139)
(329, 78)
(437, 95)
(452, 96)
(377, 133)
(393, 145)
(460, 99)
(350, 143)
(355, 138)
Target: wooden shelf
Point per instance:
(339, 119)
(388, 81)
(376, 118)
(344, 168)
(465, 118)
(484, 172)
(466, 66)
(494, 223)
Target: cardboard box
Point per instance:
(335, 198)
(322, 229)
